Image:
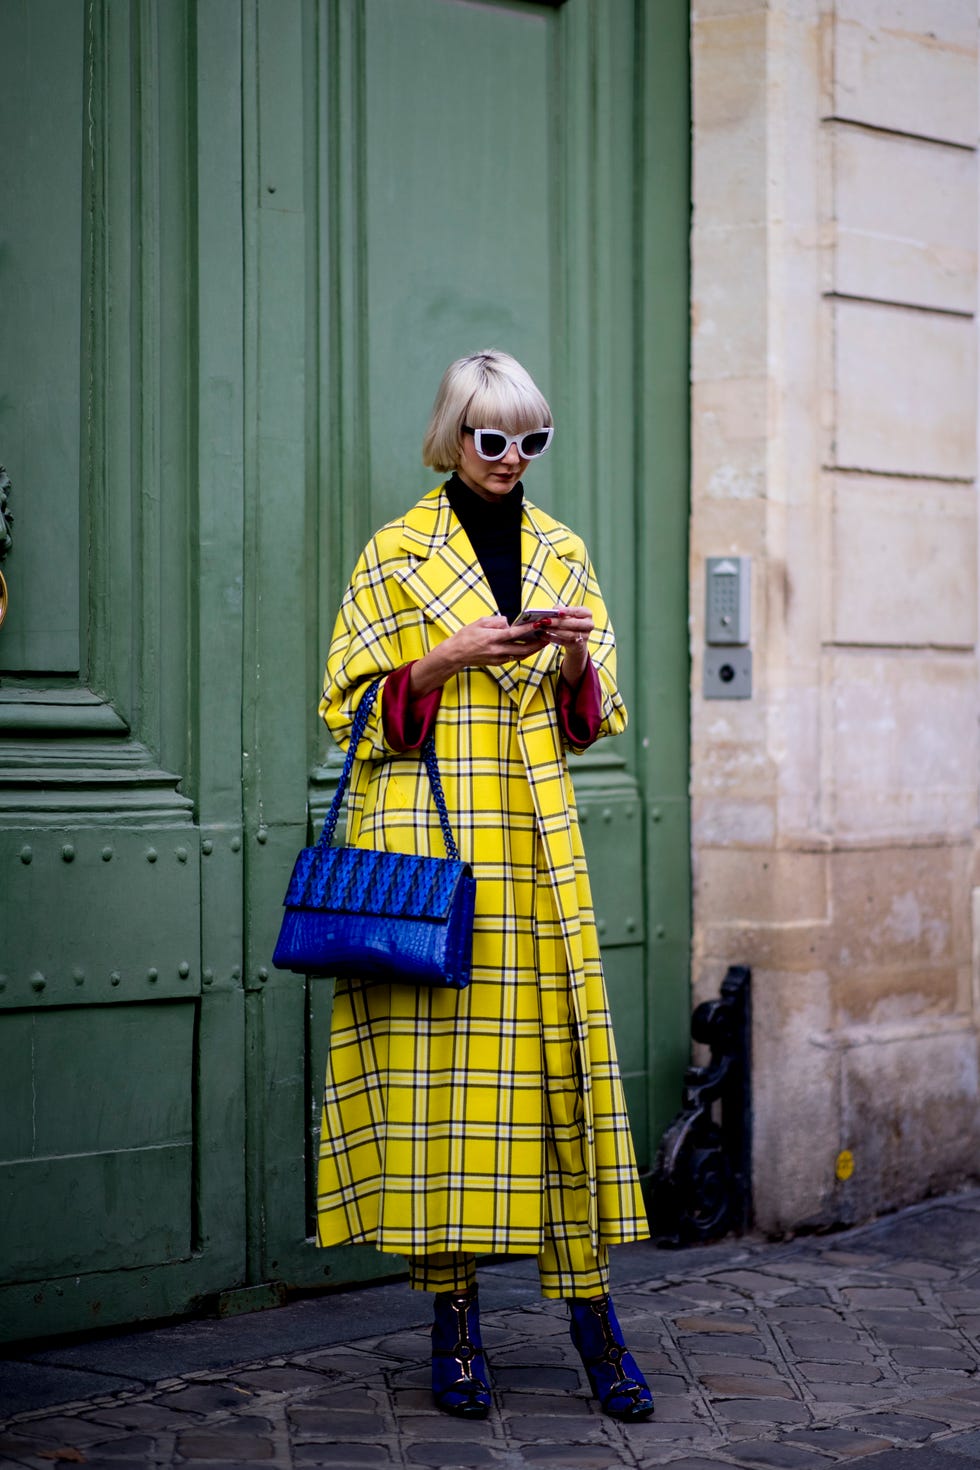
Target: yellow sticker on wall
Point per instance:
(845, 1164)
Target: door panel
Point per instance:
(468, 180)
(40, 291)
(122, 1188)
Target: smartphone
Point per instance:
(535, 615)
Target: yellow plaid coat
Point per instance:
(438, 1103)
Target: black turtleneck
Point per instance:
(494, 530)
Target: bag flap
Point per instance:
(355, 880)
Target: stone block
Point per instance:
(796, 1100)
(728, 294)
(906, 391)
(741, 823)
(910, 1118)
(760, 886)
(908, 66)
(728, 57)
(729, 447)
(906, 218)
(904, 563)
(897, 910)
(904, 753)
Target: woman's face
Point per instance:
(490, 480)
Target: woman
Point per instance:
(490, 1119)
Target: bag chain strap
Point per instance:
(431, 765)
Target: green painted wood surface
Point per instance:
(290, 215)
(42, 44)
(419, 219)
(120, 787)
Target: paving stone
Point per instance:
(532, 1352)
(755, 1281)
(964, 1299)
(138, 1415)
(937, 1380)
(818, 1314)
(867, 1259)
(715, 1324)
(898, 1426)
(737, 1386)
(536, 1377)
(779, 1455)
(827, 1331)
(667, 1431)
(820, 1350)
(209, 1464)
(921, 1270)
(719, 1342)
(857, 1395)
(231, 1444)
(568, 1457)
(766, 1411)
(924, 1457)
(368, 1401)
(840, 1372)
(435, 1425)
(67, 1430)
(847, 1444)
(727, 1363)
(135, 1447)
(952, 1411)
(926, 1357)
(281, 1379)
(695, 1462)
(206, 1398)
(345, 1456)
(881, 1296)
(574, 1405)
(319, 1422)
(935, 1337)
(805, 1296)
(556, 1427)
(963, 1444)
(705, 1292)
(666, 1385)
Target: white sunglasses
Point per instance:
(493, 444)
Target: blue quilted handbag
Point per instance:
(356, 913)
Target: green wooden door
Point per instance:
(240, 242)
(121, 1007)
(501, 174)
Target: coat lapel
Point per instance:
(443, 575)
(445, 580)
(549, 581)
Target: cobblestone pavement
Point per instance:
(861, 1346)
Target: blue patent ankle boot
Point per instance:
(614, 1377)
(459, 1373)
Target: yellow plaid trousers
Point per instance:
(490, 1119)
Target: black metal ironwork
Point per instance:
(6, 515)
(702, 1181)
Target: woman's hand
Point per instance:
(569, 629)
(484, 644)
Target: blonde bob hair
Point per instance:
(487, 390)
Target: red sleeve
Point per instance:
(407, 720)
(580, 708)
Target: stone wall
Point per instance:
(834, 407)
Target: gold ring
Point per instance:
(3, 597)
